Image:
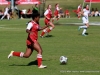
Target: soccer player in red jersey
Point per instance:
(56, 13)
(67, 14)
(32, 43)
(79, 11)
(48, 16)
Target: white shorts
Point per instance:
(85, 20)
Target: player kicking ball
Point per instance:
(32, 43)
(85, 19)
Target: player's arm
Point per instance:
(45, 14)
(82, 12)
(29, 26)
(41, 28)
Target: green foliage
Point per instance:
(83, 53)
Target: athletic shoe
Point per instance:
(11, 54)
(79, 29)
(41, 36)
(42, 66)
(84, 35)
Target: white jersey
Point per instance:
(6, 10)
(85, 13)
(85, 16)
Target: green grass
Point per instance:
(83, 53)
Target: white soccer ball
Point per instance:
(63, 60)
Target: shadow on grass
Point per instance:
(29, 64)
(49, 36)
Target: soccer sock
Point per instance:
(8, 17)
(43, 32)
(49, 29)
(83, 26)
(79, 17)
(39, 59)
(18, 54)
(84, 31)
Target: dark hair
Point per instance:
(34, 15)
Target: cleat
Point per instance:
(41, 36)
(42, 66)
(79, 29)
(84, 35)
(11, 54)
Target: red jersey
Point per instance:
(34, 35)
(48, 13)
(79, 8)
(56, 12)
(67, 11)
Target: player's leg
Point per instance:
(8, 16)
(27, 54)
(51, 27)
(38, 48)
(3, 16)
(58, 17)
(43, 32)
(54, 18)
(85, 21)
(85, 29)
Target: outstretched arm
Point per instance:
(41, 28)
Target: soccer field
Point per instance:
(83, 52)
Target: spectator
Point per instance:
(35, 9)
(61, 12)
(6, 13)
(92, 12)
(67, 14)
(29, 13)
(96, 12)
(1, 13)
(99, 13)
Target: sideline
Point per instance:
(91, 23)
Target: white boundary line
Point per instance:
(92, 23)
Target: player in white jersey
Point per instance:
(85, 20)
(6, 13)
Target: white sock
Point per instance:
(83, 26)
(84, 31)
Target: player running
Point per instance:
(56, 13)
(32, 43)
(48, 16)
(79, 11)
(85, 19)
(6, 13)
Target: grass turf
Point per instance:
(82, 52)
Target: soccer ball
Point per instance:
(63, 60)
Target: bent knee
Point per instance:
(26, 56)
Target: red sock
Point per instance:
(39, 61)
(16, 54)
(78, 16)
(42, 33)
(48, 30)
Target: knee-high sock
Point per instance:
(18, 54)
(84, 31)
(39, 59)
(43, 32)
(83, 26)
(49, 29)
